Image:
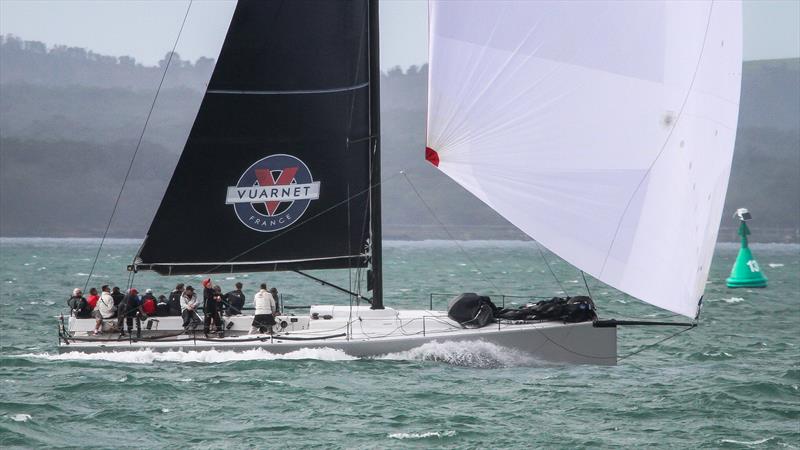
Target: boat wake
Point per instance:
(477, 354)
(748, 443)
(207, 356)
(19, 417)
(728, 300)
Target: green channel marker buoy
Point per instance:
(746, 272)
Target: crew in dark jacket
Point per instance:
(175, 300)
(274, 291)
(117, 296)
(162, 306)
(79, 306)
(130, 310)
(212, 305)
(235, 299)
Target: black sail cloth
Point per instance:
(275, 172)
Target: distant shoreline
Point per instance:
(470, 233)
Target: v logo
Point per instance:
(284, 179)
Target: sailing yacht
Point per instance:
(603, 130)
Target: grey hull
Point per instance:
(580, 343)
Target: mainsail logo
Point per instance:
(273, 193)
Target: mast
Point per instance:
(375, 160)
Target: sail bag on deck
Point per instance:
(602, 129)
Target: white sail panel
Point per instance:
(604, 130)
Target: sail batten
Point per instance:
(264, 263)
(294, 92)
(334, 262)
(603, 130)
(275, 173)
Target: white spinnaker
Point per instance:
(604, 130)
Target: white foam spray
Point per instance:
(478, 354)
(728, 300)
(206, 356)
(748, 443)
(427, 434)
(19, 417)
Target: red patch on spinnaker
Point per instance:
(432, 156)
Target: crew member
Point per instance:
(265, 309)
(189, 308)
(93, 298)
(175, 300)
(149, 303)
(212, 306)
(118, 296)
(162, 306)
(148, 294)
(274, 291)
(105, 308)
(79, 306)
(235, 299)
(131, 309)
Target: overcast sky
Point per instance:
(146, 29)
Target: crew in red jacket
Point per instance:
(149, 303)
(93, 298)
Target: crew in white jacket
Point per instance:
(265, 311)
(105, 308)
(189, 307)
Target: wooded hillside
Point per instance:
(70, 119)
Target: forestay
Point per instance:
(604, 130)
(275, 173)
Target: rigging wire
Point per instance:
(547, 263)
(349, 264)
(585, 283)
(138, 145)
(452, 238)
(646, 347)
(360, 269)
(349, 131)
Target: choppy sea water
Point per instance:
(733, 382)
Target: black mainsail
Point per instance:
(276, 172)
